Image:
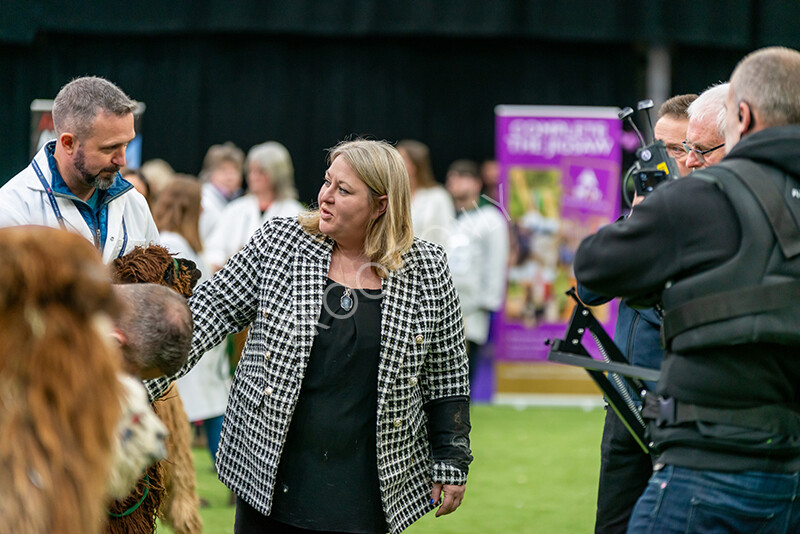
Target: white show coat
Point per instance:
(213, 203)
(237, 223)
(477, 254)
(23, 200)
(432, 214)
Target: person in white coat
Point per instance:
(271, 193)
(222, 182)
(477, 252)
(204, 390)
(431, 207)
(74, 183)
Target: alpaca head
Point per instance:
(155, 265)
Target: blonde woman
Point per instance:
(349, 411)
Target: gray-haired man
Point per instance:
(705, 136)
(73, 181)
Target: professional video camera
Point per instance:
(653, 165)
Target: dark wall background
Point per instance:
(310, 73)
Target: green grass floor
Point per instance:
(535, 471)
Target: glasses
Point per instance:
(700, 153)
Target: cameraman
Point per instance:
(624, 467)
(722, 253)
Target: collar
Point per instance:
(57, 181)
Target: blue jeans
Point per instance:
(683, 500)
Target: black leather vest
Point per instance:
(755, 295)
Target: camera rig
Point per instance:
(653, 165)
(571, 351)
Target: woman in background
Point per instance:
(270, 193)
(221, 177)
(205, 389)
(431, 206)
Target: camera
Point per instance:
(653, 165)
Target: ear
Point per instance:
(745, 117)
(380, 206)
(68, 142)
(118, 335)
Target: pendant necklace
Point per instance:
(346, 301)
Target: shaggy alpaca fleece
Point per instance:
(172, 494)
(59, 393)
(141, 439)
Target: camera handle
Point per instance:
(570, 351)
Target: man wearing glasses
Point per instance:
(671, 127)
(705, 136)
(721, 252)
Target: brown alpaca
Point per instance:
(59, 392)
(172, 491)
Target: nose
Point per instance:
(693, 161)
(326, 194)
(119, 157)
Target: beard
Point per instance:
(101, 180)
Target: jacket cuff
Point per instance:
(444, 473)
(448, 432)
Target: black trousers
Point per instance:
(250, 521)
(624, 472)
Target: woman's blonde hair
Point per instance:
(381, 168)
(177, 209)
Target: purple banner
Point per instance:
(560, 180)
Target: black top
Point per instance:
(328, 473)
(686, 227)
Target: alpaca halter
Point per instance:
(136, 506)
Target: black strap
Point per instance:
(775, 418)
(772, 203)
(730, 304)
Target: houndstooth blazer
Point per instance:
(275, 285)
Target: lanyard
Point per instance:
(60, 217)
(50, 195)
(124, 238)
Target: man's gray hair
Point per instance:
(769, 81)
(711, 104)
(157, 325)
(78, 103)
(273, 158)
